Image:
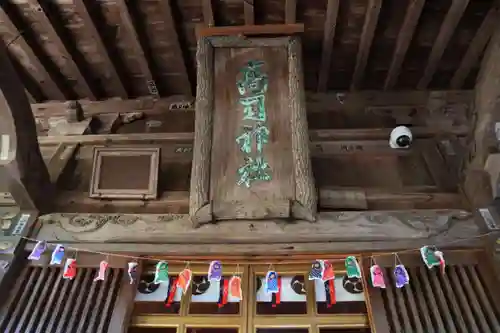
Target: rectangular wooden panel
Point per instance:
(252, 172)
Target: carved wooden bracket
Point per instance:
(232, 115)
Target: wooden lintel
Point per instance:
(335, 231)
(114, 81)
(252, 30)
(365, 44)
(403, 42)
(329, 198)
(477, 46)
(315, 136)
(316, 102)
(446, 31)
(332, 10)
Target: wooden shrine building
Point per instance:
(255, 133)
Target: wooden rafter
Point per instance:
(445, 33)
(115, 83)
(135, 44)
(365, 44)
(248, 8)
(176, 45)
(208, 13)
(477, 46)
(19, 48)
(326, 55)
(290, 11)
(59, 54)
(403, 42)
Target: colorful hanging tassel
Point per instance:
(331, 298)
(328, 271)
(69, 271)
(271, 282)
(38, 250)
(401, 276)
(101, 275)
(215, 271)
(317, 270)
(184, 280)
(377, 276)
(352, 267)
(169, 300)
(57, 255)
(132, 271)
(235, 287)
(161, 272)
(276, 297)
(223, 292)
(442, 262)
(432, 257)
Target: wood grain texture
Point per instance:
(23, 165)
(200, 171)
(264, 199)
(305, 203)
(332, 11)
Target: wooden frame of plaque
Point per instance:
(149, 191)
(301, 203)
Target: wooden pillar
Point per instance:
(22, 167)
(486, 113)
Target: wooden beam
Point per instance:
(446, 31)
(332, 10)
(291, 11)
(248, 8)
(365, 43)
(56, 49)
(24, 54)
(316, 102)
(334, 231)
(476, 47)
(251, 30)
(484, 139)
(208, 13)
(403, 42)
(116, 85)
(135, 44)
(176, 45)
(20, 156)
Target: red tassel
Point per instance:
(277, 299)
(333, 300)
(171, 293)
(223, 292)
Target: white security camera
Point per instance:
(401, 138)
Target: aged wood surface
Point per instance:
(261, 199)
(486, 118)
(336, 231)
(21, 160)
(264, 29)
(315, 102)
(200, 171)
(305, 204)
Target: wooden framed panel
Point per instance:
(238, 178)
(125, 173)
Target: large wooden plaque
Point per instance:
(251, 150)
